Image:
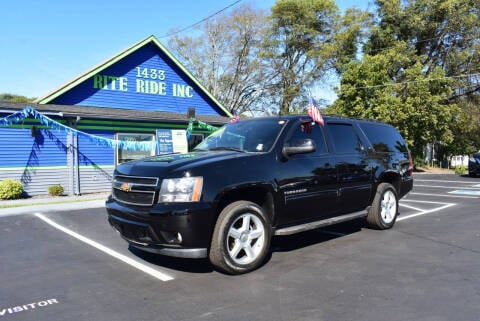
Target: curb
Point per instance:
(32, 209)
(45, 199)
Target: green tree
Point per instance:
(15, 98)
(420, 73)
(443, 34)
(466, 130)
(350, 31)
(293, 47)
(393, 87)
(251, 63)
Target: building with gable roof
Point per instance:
(132, 96)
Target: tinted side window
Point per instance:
(384, 138)
(344, 138)
(308, 131)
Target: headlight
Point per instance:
(186, 189)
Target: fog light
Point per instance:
(172, 237)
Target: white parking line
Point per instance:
(442, 195)
(121, 257)
(439, 186)
(423, 212)
(411, 207)
(442, 181)
(426, 202)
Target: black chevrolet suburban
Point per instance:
(257, 178)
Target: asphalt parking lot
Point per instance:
(70, 265)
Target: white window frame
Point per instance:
(119, 136)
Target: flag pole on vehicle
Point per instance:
(314, 112)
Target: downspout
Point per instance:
(70, 158)
(75, 159)
(76, 167)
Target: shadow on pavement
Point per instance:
(279, 244)
(301, 240)
(174, 263)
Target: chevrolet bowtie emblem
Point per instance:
(126, 187)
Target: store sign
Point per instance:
(171, 141)
(146, 81)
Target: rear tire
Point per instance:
(384, 210)
(241, 239)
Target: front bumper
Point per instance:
(198, 253)
(180, 230)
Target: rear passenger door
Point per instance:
(353, 171)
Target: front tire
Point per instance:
(241, 239)
(384, 210)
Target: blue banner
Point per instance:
(28, 111)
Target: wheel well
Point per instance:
(259, 195)
(393, 179)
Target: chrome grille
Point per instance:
(134, 190)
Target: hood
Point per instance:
(164, 165)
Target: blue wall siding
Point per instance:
(36, 181)
(97, 179)
(92, 154)
(137, 70)
(18, 148)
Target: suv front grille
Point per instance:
(134, 190)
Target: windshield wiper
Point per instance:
(228, 148)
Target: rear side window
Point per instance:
(344, 138)
(384, 138)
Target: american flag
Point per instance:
(314, 112)
(235, 118)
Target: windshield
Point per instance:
(253, 135)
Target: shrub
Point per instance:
(418, 162)
(10, 189)
(460, 170)
(55, 190)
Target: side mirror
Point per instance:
(302, 146)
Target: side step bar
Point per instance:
(313, 225)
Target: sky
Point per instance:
(46, 43)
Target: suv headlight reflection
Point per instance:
(185, 189)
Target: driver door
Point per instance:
(308, 181)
